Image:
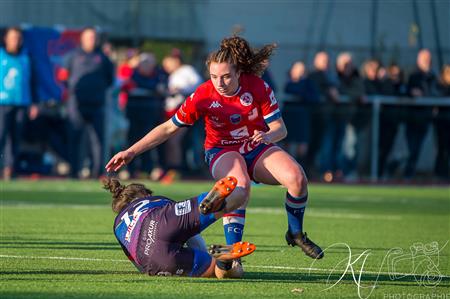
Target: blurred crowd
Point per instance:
(334, 115)
(113, 98)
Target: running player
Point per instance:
(242, 122)
(153, 231)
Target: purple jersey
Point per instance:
(127, 225)
(152, 231)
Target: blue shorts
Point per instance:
(212, 156)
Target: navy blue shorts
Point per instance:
(212, 156)
(163, 233)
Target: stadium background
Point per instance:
(392, 29)
(387, 30)
(55, 235)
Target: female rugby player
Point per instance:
(242, 123)
(153, 231)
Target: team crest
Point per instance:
(246, 99)
(235, 118)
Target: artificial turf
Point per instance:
(57, 242)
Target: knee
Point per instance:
(240, 196)
(243, 191)
(296, 181)
(246, 191)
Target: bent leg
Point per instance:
(275, 166)
(233, 164)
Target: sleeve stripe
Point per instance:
(178, 122)
(271, 114)
(273, 118)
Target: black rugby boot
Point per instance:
(301, 240)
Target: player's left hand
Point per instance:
(120, 159)
(260, 137)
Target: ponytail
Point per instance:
(122, 195)
(237, 51)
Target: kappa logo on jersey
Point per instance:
(215, 104)
(235, 119)
(253, 114)
(246, 99)
(182, 208)
(240, 133)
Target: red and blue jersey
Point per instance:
(231, 120)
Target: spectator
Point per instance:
(391, 116)
(183, 80)
(15, 97)
(442, 125)
(372, 83)
(356, 116)
(422, 83)
(90, 75)
(297, 113)
(328, 128)
(144, 107)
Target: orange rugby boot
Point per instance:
(215, 199)
(231, 252)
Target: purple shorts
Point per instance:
(163, 233)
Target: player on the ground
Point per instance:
(242, 122)
(161, 236)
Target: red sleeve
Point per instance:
(188, 113)
(269, 104)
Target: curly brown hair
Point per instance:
(124, 194)
(237, 51)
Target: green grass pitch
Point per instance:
(57, 242)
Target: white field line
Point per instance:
(314, 212)
(310, 212)
(43, 188)
(248, 266)
(59, 258)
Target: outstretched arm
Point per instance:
(154, 138)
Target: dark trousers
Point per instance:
(417, 121)
(86, 124)
(11, 127)
(442, 129)
(49, 131)
(143, 115)
(390, 119)
(331, 145)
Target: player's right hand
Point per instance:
(120, 159)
